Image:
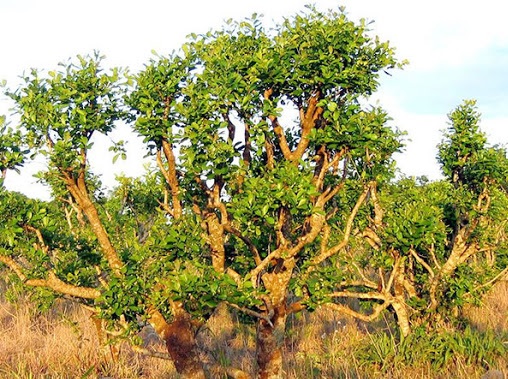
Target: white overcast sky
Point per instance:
(458, 49)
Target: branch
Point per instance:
(360, 283)
(231, 127)
(246, 150)
(326, 165)
(263, 264)
(367, 318)
(270, 160)
(89, 209)
(422, 262)
(366, 282)
(347, 231)
(277, 128)
(230, 229)
(308, 121)
(378, 210)
(360, 295)
(251, 312)
(38, 233)
(172, 177)
(433, 255)
(395, 272)
(495, 279)
(315, 221)
(52, 282)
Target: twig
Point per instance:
(422, 262)
(250, 312)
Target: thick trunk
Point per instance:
(270, 333)
(402, 318)
(399, 303)
(181, 345)
(179, 336)
(269, 343)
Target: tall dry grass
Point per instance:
(63, 344)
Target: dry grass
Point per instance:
(62, 344)
(493, 314)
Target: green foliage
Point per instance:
(12, 153)
(464, 156)
(69, 255)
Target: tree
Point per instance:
(431, 248)
(247, 203)
(274, 201)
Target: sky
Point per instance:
(457, 49)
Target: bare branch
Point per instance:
(360, 295)
(347, 231)
(52, 282)
(422, 262)
(395, 272)
(250, 312)
(367, 318)
(253, 249)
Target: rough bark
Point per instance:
(179, 336)
(52, 281)
(402, 317)
(269, 342)
(79, 192)
(215, 239)
(399, 304)
(270, 330)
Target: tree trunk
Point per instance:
(270, 333)
(269, 343)
(179, 336)
(399, 303)
(402, 318)
(181, 345)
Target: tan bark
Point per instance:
(270, 333)
(402, 317)
(307, 120)
(79, 192)
(215, 239)
(461, 251)
(399, 303)
(52, 282)
(171, 177)
(269, 341)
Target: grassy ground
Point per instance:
(62, 344)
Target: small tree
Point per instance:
(430, 248)
(267, 203)
(250, 208)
